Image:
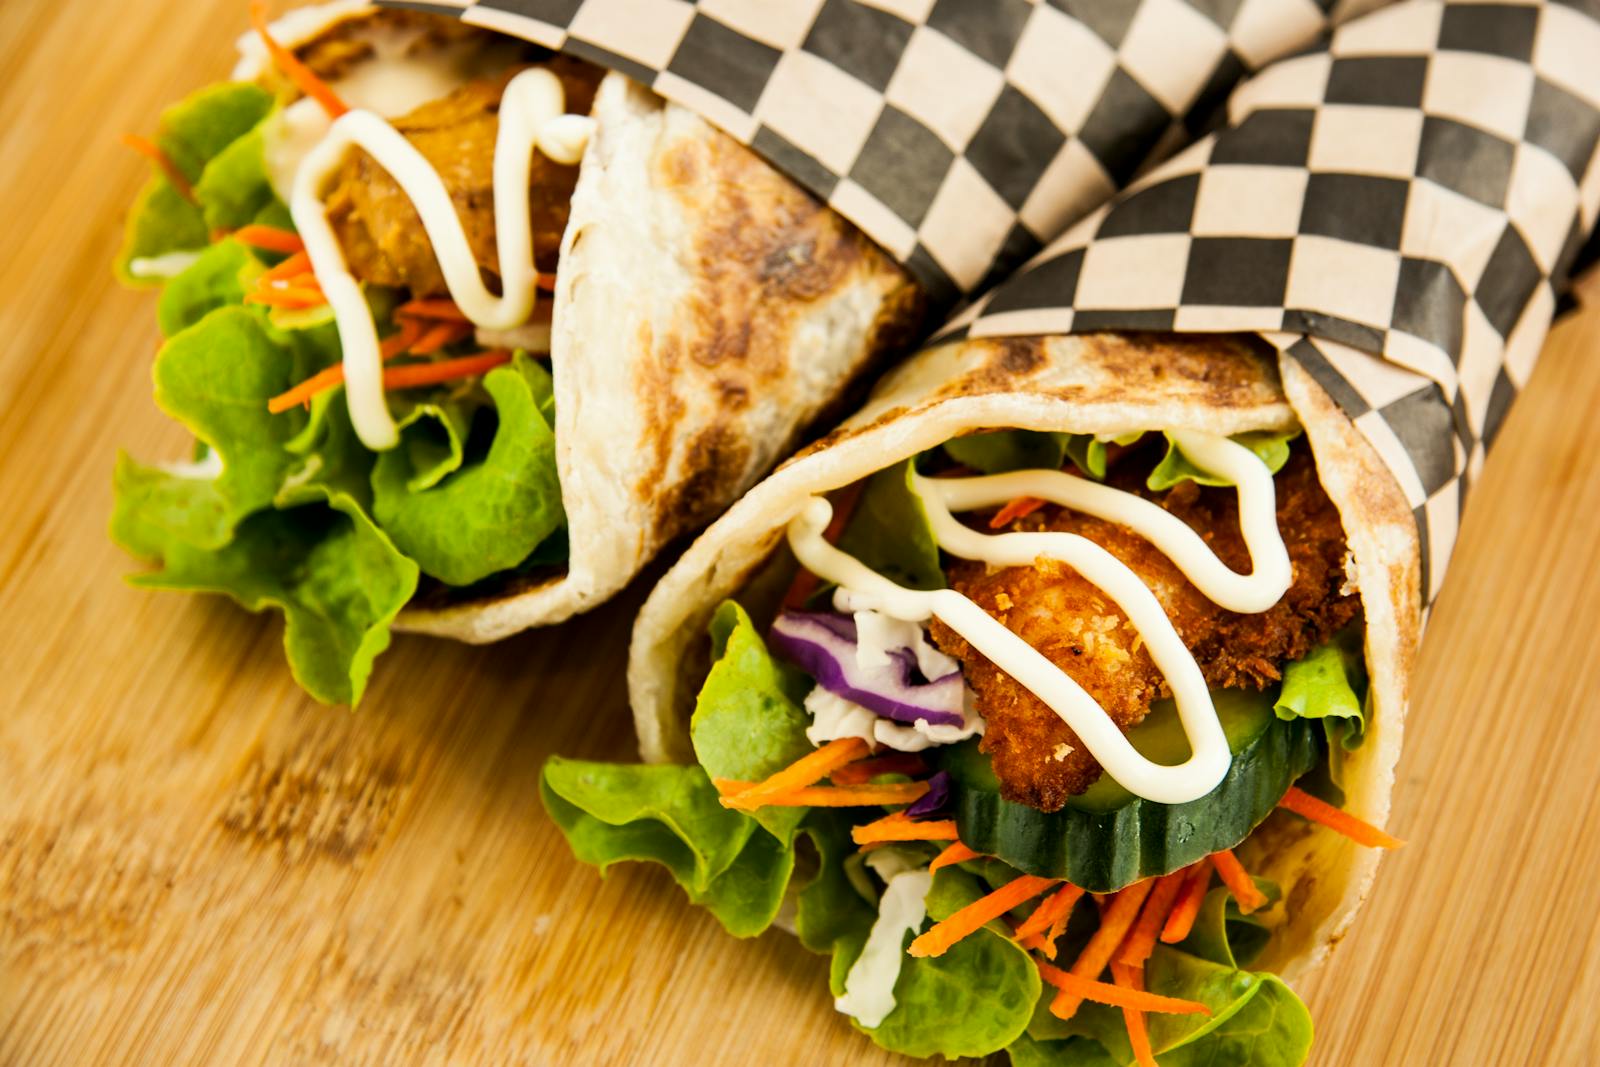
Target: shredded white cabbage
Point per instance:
(869, 987)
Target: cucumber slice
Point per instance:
(1107, 837)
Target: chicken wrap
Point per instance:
(1057, 695)
(466, 331)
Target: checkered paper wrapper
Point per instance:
(960, 135)
(1399, 209)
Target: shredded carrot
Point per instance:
(545, 281)
(286, 297)
(1114, 924)
(302, 393)
(1362, 833)
(908, 763)
(1187, 907)
(401, 340)
(1118, 996)
(1239, 883)
(901, 827)
(420, 374)
(439, 335)
(1141, 940)
(941, 936)
(152, 151)
(1050, 911)
(269, 238)
(1038, 943)
(1132, 979)
(953, 854)
(809, 769)
(1018, 508)
(297, 72)
(435, 308)
(295, 265)
(805, 583)
(827, 796)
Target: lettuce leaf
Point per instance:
(487, 515)
(1223, 934)
(746, 726)
(234, 189)
(748, 721)
(1324, 684)
(215, 378)
(1273, 448)
(219, 278)
(193, 132)
(1255, 1019)
(1008, 450)
(975, 999)
(889, 531)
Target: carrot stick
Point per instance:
(437, 336)
(1116, 995)
(1233, 876)
(809, 769)
(299, 263)
(297, 72)
(805, 583)
(1132, 978)
(436, 308)
(1187, 907)
(826, 796)
(941, 936)
(953, 854)
(286, 297)
(901, 827)
(1141, 940)
(1050, 910)
(420, 374)
(1114, 924)
(896, 763)
(1362, 833)
(152, 151)
(269, 238)
(1018, 508)
(401, 340)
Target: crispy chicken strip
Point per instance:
(1036, 756)
(378, 227)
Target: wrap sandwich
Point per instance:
(607, 320)
(1056, 694)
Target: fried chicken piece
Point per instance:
(1036, 756)
(381, 232)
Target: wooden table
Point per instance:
(200, 865)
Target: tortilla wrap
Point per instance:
(1104, 384)
(707, 310)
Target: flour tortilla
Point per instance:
(1104, 384)
(707, 311)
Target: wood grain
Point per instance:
(198, 865)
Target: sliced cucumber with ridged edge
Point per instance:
(1106, 837)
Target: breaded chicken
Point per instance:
(378, 227)
(1036, 756)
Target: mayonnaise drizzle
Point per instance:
(1269, 579)
(532, 100)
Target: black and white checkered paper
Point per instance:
(1398, 209)
(960, 135)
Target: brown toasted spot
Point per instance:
(766, 250)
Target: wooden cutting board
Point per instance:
(199, 865)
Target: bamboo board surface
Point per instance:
(200, 865)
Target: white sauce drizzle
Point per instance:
(531, 100)
(1269, 579)
(166, 265)
(869, 987)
